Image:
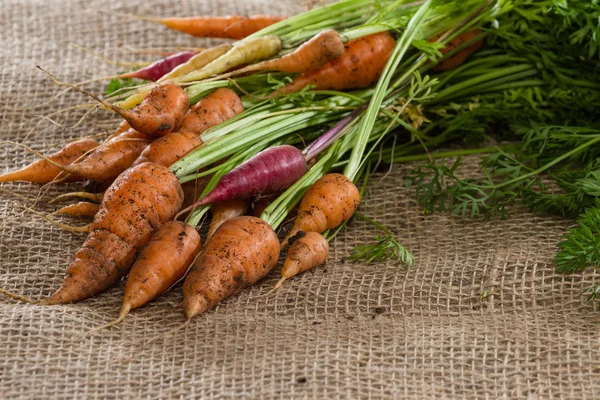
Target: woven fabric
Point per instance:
(481, 314)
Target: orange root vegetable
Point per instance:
(139, 202)
(164, 260)
(112, 158)
(318, 51)
(241, 252)
(93, 197)
(360, 66)
(122, 128)
(81, 209)
(160, 112)
(228, 27)
(222, 212)
(43, 171)
(263, 202)
(215, 108)
(460, 57)
(307, 250)
(327, 203)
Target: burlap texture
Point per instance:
(481, 314)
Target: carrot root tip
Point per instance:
(19, 297)
(122, 314)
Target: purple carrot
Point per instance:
(158, 69)
(272, 170)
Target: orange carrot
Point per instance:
(122, 128)
(139, 202)
(318, 51)
(241, 252)
(263, 202)
(307, 250)
(327, 203)
(215, 108)
(224, 211)
(360, 66)
(42, 171)
(228, 27)
(81, 209)
(163, 261)
(460, 57)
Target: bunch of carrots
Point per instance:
(222, 130)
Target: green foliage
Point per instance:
(120, 85)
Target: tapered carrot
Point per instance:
(227, 27)
(460, 57)
(241, 252)
(307, 250)
(81, 209)
(330, 201)
(224, 211)
(215, 108)
(318, 51)
(42, 171)
(360, 66)
(122, 128)
(197, 62)
(163, 261)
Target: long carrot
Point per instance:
(227, 27)
(327, 203)
(197, 62)
(241, 252)
(215, 108)
(81, 209)
(42, 171)
(222, 212)
(307, 250)
(360, 66)
(163, 261)
(139, 202)
(316, 52)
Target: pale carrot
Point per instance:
(224, 211)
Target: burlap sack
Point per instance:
(481, 314)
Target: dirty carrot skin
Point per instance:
(241, 252)
(81, 209)
(226, 27)
(217, 107)
(42, 171)
(224, 211)
(162, 262)
(316, 52)
(123, 127)
(140, 201)
(307, 250)
(460, 57)
(330, 201)
(360, 66)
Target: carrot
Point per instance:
(330, 201)
(112, 158)
(222, 212)
(160, 112)
(307, 250)
(460, 57)
(160, 68)
(42, 171)
(81, 209)
(139, 202)
(215, 108)
(271, 170)
(318, 51)
(263, 202)
(227, 27)
(197, 62)
(94, 197)
(164, 260)
(360, 66)
(241, 252)
(122, 128)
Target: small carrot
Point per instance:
(81, 209)
(307, 250)
(360, 66)
(460, 57)
(160, 112)
(164, 260)
(271, 170)
(318, 51)
(93, 197)
(330, 201)
(227, 27)
(198, 61)
(122, 128)
(42, 171)
(217, 107)
(241, 252)
(222, 212)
